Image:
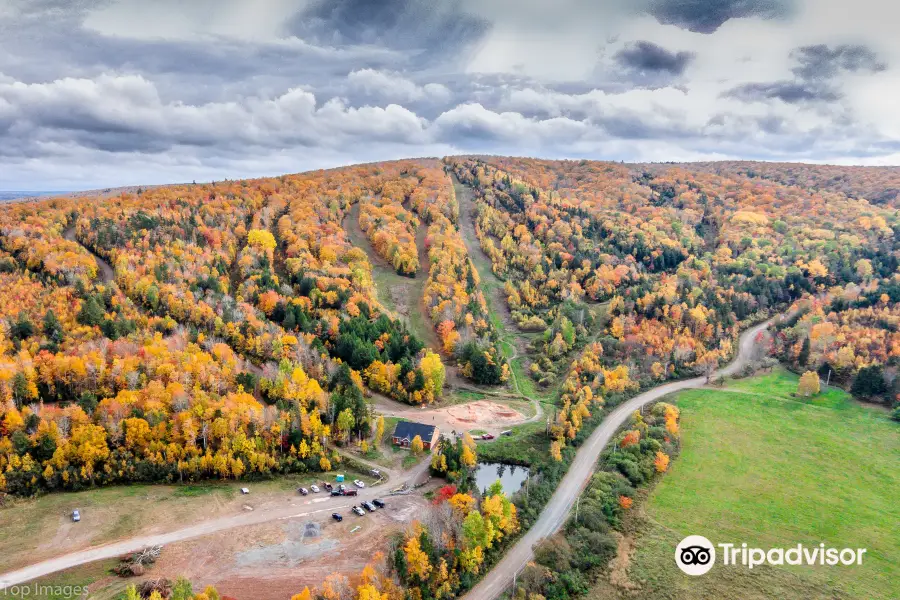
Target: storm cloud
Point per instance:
(706, 16)
(825, 62)
(646, 56)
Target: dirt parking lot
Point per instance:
(275, 560)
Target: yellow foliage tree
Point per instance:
(809, 384)
(661, 462)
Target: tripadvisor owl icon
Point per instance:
(695, 555)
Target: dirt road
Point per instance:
(316, 507)
(105, 270)
(581, 470)
(492, 287)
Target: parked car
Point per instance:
(342, 487)
(359, 483)
(359, 511)
(327, 486)
(337, 493)
(369, 506)
(375, 473)
(337, 517)
(507, 432)
(487, 436)
(76, 516)
(350, 492)
(245, 491)
(303, 491)
(314, 488)
(379, 503)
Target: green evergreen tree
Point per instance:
(91, 312)
(53, 328)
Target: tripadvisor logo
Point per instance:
(696, 555)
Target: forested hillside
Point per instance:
(233, 329)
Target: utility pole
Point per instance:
(828, 380)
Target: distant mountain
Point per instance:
(7, 195)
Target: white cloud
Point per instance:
(126, 112)
(395, 86)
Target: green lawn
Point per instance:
(527, 445)
(762, 467)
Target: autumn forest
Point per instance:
(234, 330)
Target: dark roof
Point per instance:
(409, 429)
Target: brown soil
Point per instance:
(480, 414)
(618, 567)
(277, 560)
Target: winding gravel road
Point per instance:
(582, 468)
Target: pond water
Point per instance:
(511, 476)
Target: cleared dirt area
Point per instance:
(42, 528)
(485, 415)
(276, 560)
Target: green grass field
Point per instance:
(762, 467)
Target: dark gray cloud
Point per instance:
(815, 72)
(792, 92)
(431, 29)
(647, 57)
(706, 16)
(825, 62)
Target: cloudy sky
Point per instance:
(97, 93)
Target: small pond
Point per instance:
(511, 476)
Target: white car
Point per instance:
(76, 515)
(314, 488)
(359, 483)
